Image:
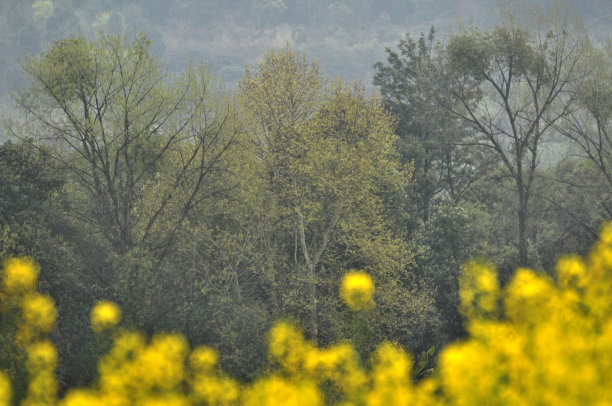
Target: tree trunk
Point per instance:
(314, 320)
(522, 225)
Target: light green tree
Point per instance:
(330, 159)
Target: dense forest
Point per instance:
(214, 209)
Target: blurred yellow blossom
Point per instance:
(105, 315)
(39, 311)
(528, 296)
(287, 346)
(571, 272)
(5, 389)
(357, 290)
(479, 290)
(165, 400)
(391, 377)
(41, 355)
(41, 363)
(203, 359)
(539, 340)
(275, 390)
(80, 397)
(19, 275)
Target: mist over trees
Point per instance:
(346, 37)
(214, 210)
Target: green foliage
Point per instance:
(329, 155)
(413, 84)
(119, 118)
(29, 179)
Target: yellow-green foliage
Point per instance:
(538, 341)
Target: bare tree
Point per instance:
(139, 143)
(513, 84)
(589, 124)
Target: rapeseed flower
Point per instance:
(212, 390)
(391, 377)
(528, 297)
(41, 363)
(81, 397)
(357, 290)
(5, 389)
(479, 291)
(39, 311)
(571, 272)
(537, 341)
(105, 315)
(41, 355)
(275, 390)
(338, 364)
(161, 364)
(288, 347)
(203, 359)
(19, 275)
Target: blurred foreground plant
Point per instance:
(538, 341)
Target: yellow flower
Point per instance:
(39, 311)
(391, 377)
(528, 296)
(165, 400)
(357, 290)
(203, 359)
(5, 389)
(41, 355)
(80, 397)
(278, 391)
(287, 346)
(19, 275)
(105, 315)
(571, 272)
(605, 235)
(160, 364)
(479, 290)
(212, 390)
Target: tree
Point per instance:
(589, 123)
(281, 96)
(114, 118)
(513, 83)
(142, 151)
(411, 84)
(329, 157)
(28, 180)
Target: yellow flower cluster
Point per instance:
(105, 315)
(480, 292)
(538, 341)
(37, 318)
(41, 364)
(553, 346)
(137, 372)
(357, 290)
(19, 276)
(5, 389)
